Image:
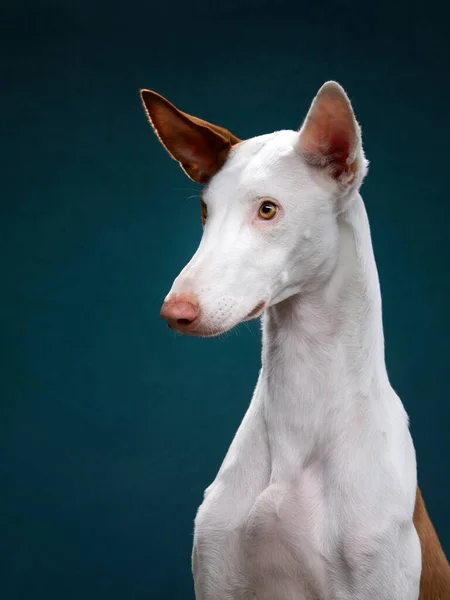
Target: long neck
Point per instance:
(325, 350)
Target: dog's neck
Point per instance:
(323, 352)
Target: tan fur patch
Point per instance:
(200, 148)
(435, 580)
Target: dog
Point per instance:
(317, 497)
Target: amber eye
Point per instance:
(268, 210)
(204, 212)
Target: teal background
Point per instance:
(111, 426)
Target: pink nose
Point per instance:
(180, 311)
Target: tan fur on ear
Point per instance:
(200, 147)
(435, 579)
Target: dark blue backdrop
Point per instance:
(110, 425)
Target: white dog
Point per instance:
(315, 497)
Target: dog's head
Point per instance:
(269, 207)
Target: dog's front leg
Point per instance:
(216, 568)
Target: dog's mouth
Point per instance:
(213, 332)
(256, 312)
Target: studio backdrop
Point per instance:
(112, 426)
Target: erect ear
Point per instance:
(330, 137)
(200, 147)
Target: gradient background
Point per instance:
(111, 426)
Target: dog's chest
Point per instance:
(262, 546)
(287, 536)
(281, 520)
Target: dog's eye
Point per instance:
(268, 210)
(204, 212)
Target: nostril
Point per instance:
(184, 321)
(180, 312)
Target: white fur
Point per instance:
(315, 497)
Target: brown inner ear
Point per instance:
(200, 147)
(332, 152)
(329, 133)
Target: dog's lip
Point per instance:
(199, 333)
(256, 311)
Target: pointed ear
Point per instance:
(200, 147)
(330, 137)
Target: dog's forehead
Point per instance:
(260, 153)
(250, 166)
